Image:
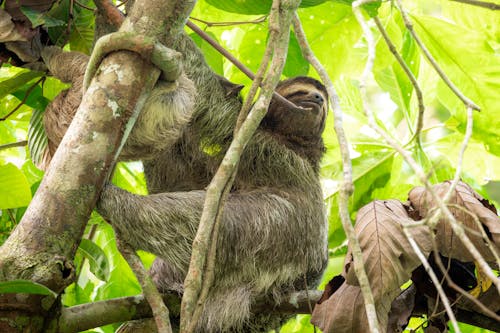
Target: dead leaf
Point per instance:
(8, 31)
(401, 310)
(464, 196)
(344, 311)
(387, 254)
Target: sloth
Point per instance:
(273, 234)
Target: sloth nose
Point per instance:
(318, 98)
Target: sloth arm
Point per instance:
(256, 225)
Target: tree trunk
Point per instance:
(42, 247)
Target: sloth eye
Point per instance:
(297, 94)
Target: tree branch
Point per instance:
(87, 316)
(160, 311)
(13, 145)
(432, 61)
(47, 237)
(483, 4)
(208, 229)
(411, 77)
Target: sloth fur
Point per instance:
(273, 236)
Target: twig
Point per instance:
(347, 185)
(482, 233)
(13, 145)
(483, 4)
(433, 277)
(411, 77)
(453, 285)
(442, 208)
(113, 15)
(26, 95)
(465, 143)
(233, 60)
(210, 266)
(84, 6)
(225, 24)
(160, 310)
(208, 228)
(432, 61)
(457, 228)
(373, 322)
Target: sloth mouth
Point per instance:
(311, 105)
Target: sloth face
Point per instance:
(307, 119)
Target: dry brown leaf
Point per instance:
(8, 31)
(387, 254)
(464, 196)
(344, 311)
(401, 310)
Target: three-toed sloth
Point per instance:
(273, 236)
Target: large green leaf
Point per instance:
(332, 38)
(14, 188)
(98, 261)
(81, 29)
(15, 82)
(252, 7)
(470, 63)
(213, 58)
(24, 286)
(37, 138)
(36, 18)
(394, 80)
(295, 64)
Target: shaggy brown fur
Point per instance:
(273, 231)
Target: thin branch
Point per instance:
(411, 77)
(84, 6)
(433, 277)
(347, 185)
(13, 145)
(160, 310)
(442, 208)
(208, 228)
(465, 143)
(483, 4)
(210, 267)
(432, 61)
(112, 14)
(225, 24)
(233, 60)
(89, 315)
(482, 233)
(369, 301)
(452, 284)
(26, 95)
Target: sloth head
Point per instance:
(307, 119)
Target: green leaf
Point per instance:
(295, 64)
(14, 188)
(371, 8)
(26, 287)
(333, 38)
(469, 62)
(81, 30)
(252, 7)
(35, 98)
(15, 82)
(98, 261)
(36, 18)
(37, 138)
(213, 58)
